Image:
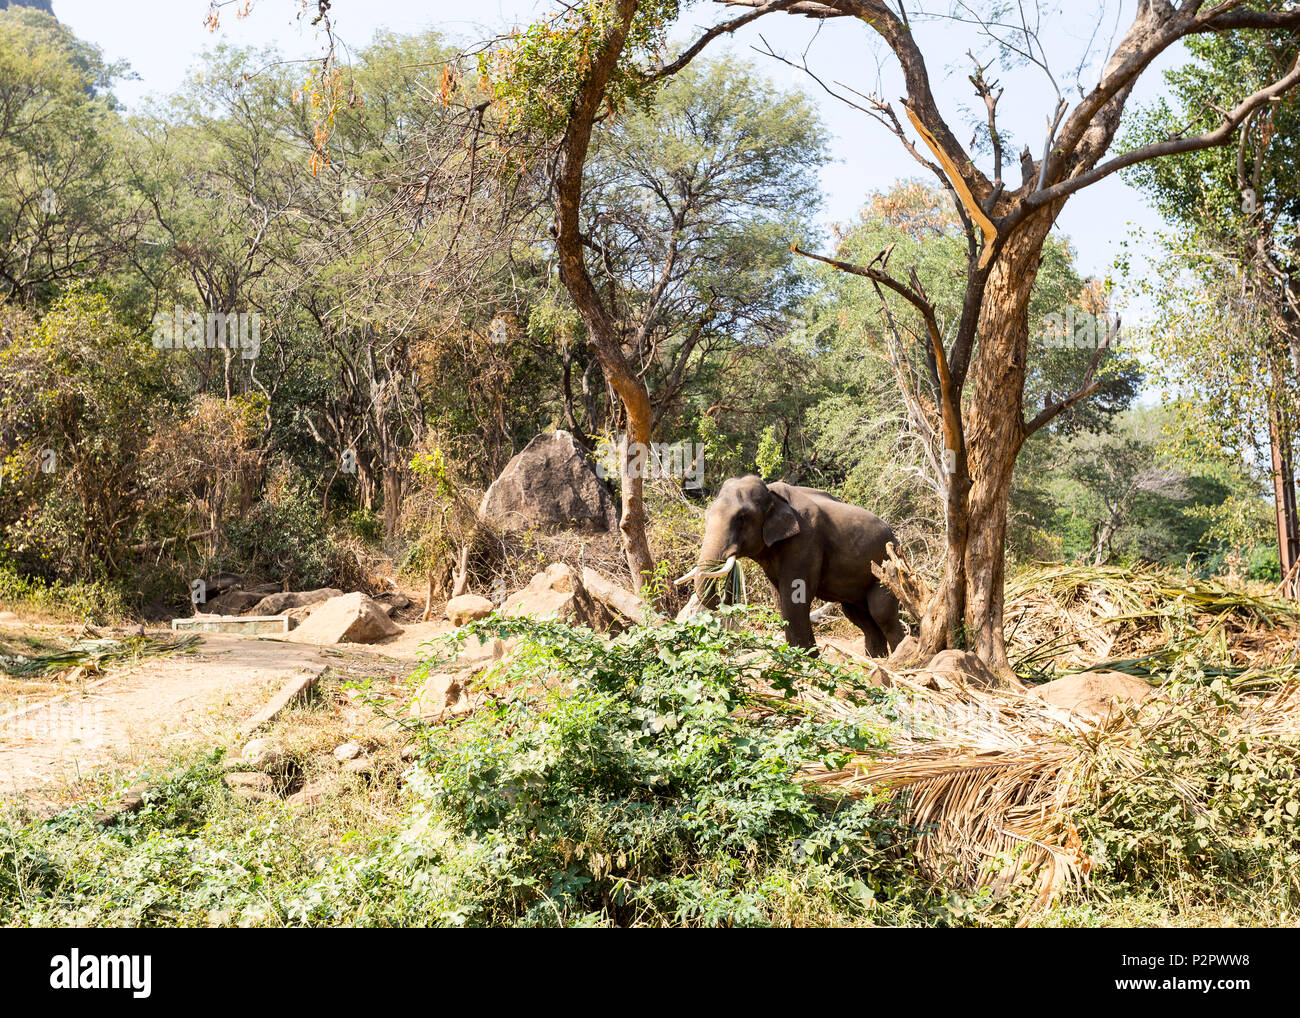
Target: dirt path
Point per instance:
(148, 711)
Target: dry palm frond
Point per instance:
(90, 656)
(1076, 616)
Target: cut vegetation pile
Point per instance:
(1139, 620)
(89, 656)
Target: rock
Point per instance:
(257, 781)
(347, 751)
(232, 602)
(550, 485)
(312, 792)
(359, 766)
(621, 600)
(1093, 694)
(555, 592)
(442, 695)
(467, 608)
(9, 617)
(905, 654)
(954, 668)
(266, 755)
(279, 603)
(223, 582)
(351, 618)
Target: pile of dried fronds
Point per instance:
(89, 656)
(993, 784)
(986, 779)
(1073, 616)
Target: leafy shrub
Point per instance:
(284, 536)
(1202, 801)
(640, 782)
(92, 602)
(632, 782)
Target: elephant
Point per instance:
(810, 545)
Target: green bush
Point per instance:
(91, 602)
(641, 783)
(284, 538)
(1201, 802)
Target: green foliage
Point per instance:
(285, 536)
(74, 390)
(535, 78)
(91, 602)
(1197, 806)
(625, 782)
(768, 458)
(634, 792)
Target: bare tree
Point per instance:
(1006, 227)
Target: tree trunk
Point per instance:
(995, 430)
(634, 459)
(603, 331)
(1284, 500)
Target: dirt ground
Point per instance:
(141, 712)
(54, 733)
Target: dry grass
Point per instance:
(1073, 617)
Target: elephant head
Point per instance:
(744, 521)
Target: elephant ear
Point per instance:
(781, 522)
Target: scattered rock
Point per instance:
(905, 654)
(557, 592)
(442, 695)
(221, 583)
(359, 766)
(266, 755)
(550, 485)
(955, 668)
(627, 604)
(311, 793)
(351, 618)
(467, 608)
(9, 617)
(347, 751)
(131, 801)
(256, 781)
(232, 602)
(1093, 694)
(279, 603)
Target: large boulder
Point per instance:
(557, 592)
(550, 485)
(351, 618)
(1093, 695)
(281, 602)
(467, 608)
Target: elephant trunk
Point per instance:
(717, 559)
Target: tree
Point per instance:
(64, 212)
(1236, 262)
(1006, 227)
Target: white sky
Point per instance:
(160, 39)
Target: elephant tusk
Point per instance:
(689, 576)
(723, 571)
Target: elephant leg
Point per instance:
(874, 639)
(883, 606)
(795, 610)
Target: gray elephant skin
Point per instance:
(810, 545)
